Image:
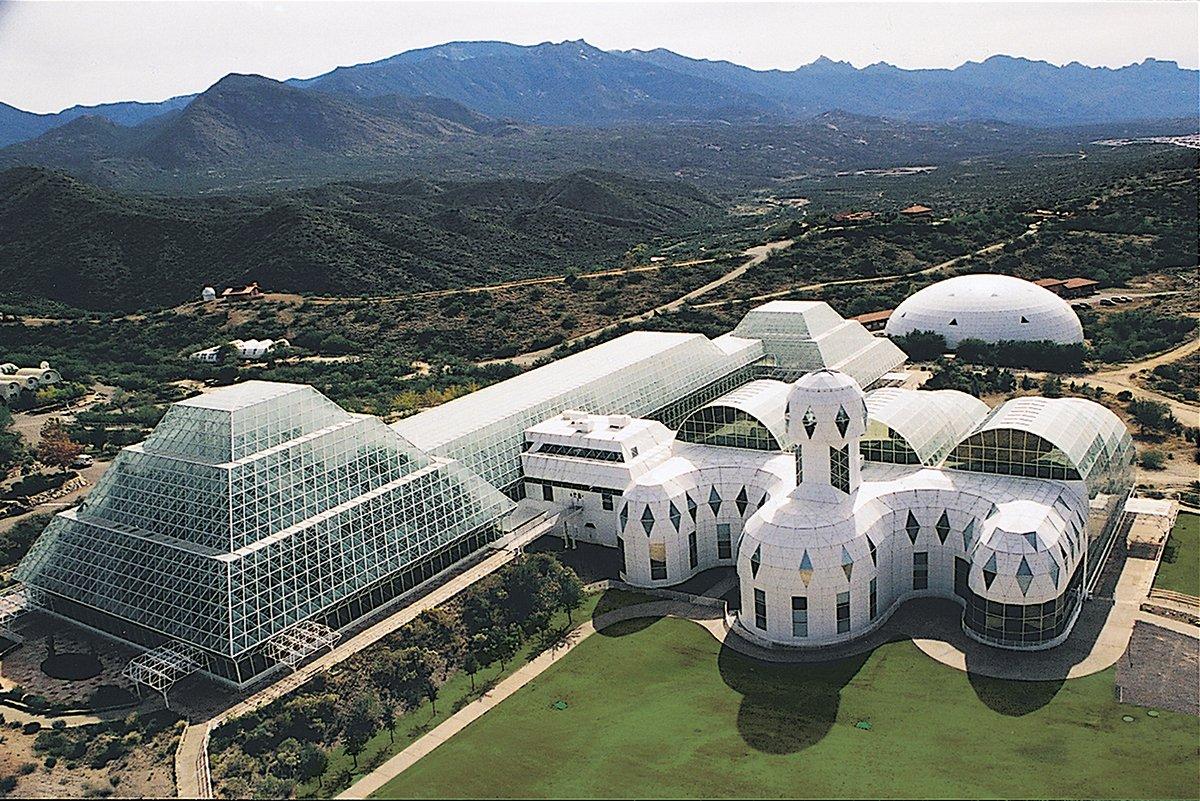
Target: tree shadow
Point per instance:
(786, 707)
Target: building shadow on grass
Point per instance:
(786, 707)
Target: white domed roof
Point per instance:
(993, 308)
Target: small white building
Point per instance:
(247, 349)
(207, 294)
(14, 379)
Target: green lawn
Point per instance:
(661, 711)
(453, 695)
(1182, 573)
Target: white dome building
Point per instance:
(994, 308)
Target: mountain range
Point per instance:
(72, 242)
(574, 83)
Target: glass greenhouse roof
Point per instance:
(931, 422)
(802, 336)
(636, 374)
(249, 510)
(1075, 438)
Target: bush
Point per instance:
(27, 768)
(50, 762)
(1153, 460)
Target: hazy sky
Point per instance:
(57, 54)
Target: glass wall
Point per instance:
(727, 427)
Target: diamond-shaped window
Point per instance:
(806, 569)
(842, 420)
(989, 571)
(624, 516)
(1054, 570)
(873, 552)
(1024, 576)
(742, 501)
(675, 516)
(912, 527)
(969, 535)
(714, 500)
(691, 507)
(809, 421)
(847, 562)
(943, 527)
(756, 561)
(647, 520)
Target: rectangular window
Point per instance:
(693, 551)
(621, 552)
(799, 616)
(760, 609)
(547, 492)
(724, 542)
(606, 501)
(962, 571)
(658, 561)
(874, 598)
(843, 612)
(921, 570)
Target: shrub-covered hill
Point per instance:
(68, 241)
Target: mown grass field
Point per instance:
(1182, 574)
(659, 710)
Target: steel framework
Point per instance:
(160, 668)
(292, 646)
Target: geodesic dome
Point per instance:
(994, 308)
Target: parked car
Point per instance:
(1107, 302)
(82, 460)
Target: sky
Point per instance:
(58, 54)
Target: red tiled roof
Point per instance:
(1076, 283)
(873, 317)
(1048, 282)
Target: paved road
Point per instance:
(756, 255)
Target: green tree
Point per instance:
(361, 722)
(1152, 459)
(567, 591)
(313, 763)
(1151, 415)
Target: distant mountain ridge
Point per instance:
(574, 83)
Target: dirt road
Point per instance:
(756, 255)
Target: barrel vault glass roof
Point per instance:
(1051, 438)
(806, 335)
(751, 416)
(635, 374)
(931, 422)
(250, 509)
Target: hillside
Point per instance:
(72, 242)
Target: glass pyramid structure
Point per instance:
(249, 510)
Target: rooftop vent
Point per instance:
(618, 421)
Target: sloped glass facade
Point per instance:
(249, 510)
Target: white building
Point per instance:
(207, 294)
(14, 379)
(836, 506)
(993, 308)
(248, 349)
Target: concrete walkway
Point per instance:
(191, 768)
(376, 779)
(1100, 637)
